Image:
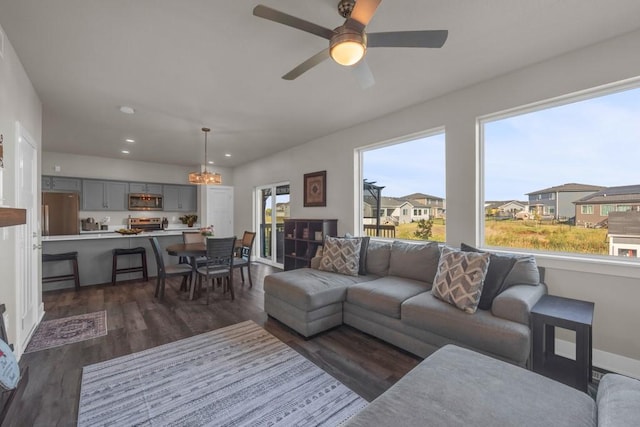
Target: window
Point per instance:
(411, 170)
(579, 153)
(605, 209)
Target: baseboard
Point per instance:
(606, 361)
(19, 351)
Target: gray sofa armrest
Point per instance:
(516, 302)
(617, 401)
(315, 262)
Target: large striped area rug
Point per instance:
(234, 376)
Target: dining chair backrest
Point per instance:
(247, 243)
(158, 253)
(220, 251)
(191, 237)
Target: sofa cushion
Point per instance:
(364, 247)
(499, 267)
(524, 272)
(341, 255)
(460, 278)
(378, 256)
(481, 330)
(459, 387)
(309, 289)
(386, 294)
(618, 401)
(417, 261)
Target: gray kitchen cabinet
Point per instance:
(145, 188)
(58, 183)
(46, 183)
(104, 195)
(180, 198)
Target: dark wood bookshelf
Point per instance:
(302, 238)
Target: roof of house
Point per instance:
(568, 188)
(496, 204)
(621, 194)
(414, 196)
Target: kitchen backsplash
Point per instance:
(118, 220)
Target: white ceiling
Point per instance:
(192, 63)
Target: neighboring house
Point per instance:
(504, 208)
(283, 210)
(624, 233)
(436, 205)
(558, 201)
(596, 208)
(395, 210)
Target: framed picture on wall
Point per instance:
(315, 189)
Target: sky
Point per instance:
(595, 141)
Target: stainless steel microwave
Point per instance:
(145, 202)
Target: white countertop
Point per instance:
(96, 235)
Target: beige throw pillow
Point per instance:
(460, 278)
(341, 256)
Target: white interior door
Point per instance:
(27, 236)
(220, 210)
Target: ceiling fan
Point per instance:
(348, 43)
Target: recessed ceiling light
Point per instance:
(127, 110)
(125, 151)
(227, 155)
(129, 140)
(210, 162)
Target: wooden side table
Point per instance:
(553, 311)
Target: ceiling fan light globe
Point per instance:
(348, 52)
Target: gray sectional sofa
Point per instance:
(393, 302)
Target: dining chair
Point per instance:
(219, 264)
(243, 255)
(165, 271)
(192, 237)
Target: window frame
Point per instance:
(358, 152)
(623, 266)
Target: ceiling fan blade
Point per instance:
(307, 65)
(428, 38)
(291, 21)
(363, 74)
(364, 10)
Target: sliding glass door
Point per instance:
(272, 208)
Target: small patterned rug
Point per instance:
(235, 376)
(54, 333)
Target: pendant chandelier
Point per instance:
(205, 177)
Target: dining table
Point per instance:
(192, 251)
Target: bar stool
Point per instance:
(67, 256)
(133, 251)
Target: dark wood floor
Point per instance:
(137, 321)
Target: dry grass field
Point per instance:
(528, 235)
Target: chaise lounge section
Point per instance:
(459, 387)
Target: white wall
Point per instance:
(18, 103)
(614, 289)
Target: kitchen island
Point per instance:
(95, 255)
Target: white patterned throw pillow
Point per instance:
(340, 256)
(460, 277)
